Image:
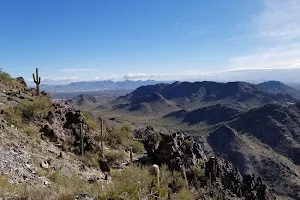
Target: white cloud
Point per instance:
(278, 32)
(280, 19)
(141, 76)
(79, 70)
(50, 80)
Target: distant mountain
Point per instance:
(97, 85)
(277, 87)
(190, 96)
(210, 114)
(83, 99)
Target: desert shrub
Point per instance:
(90, 159)
(132, 183)
(37, 107)
(14, 116)
(136, 182)
(89, 120)
(184, 194)
(27, 110)
(198, 170)
(6, 78)
(173, 179)
(123, 137)
(114, 155)
(137, 147)
(30, 130)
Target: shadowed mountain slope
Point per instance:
(277, 87)
(168, 98)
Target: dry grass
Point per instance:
(133, 183)
(7, 79)
(89, 121)
(136, 183)
(27, 110)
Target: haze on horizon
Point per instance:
(70, 41)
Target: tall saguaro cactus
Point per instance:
(102, 138)
(81, 139)
(37, 81)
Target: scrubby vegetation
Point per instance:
(137, 183)
(7, 79)
(27, 110)
(123, 137)
(115, 155)
(89, 121)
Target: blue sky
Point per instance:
(74, 40)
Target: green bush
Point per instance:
(114, 155)
(30, 130)
(27, 110)
(14, 116)
(137, 147)
(6, 78)
(91, 159)
(89, 120)
(37, 107)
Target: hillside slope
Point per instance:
(264, 141)
(277, 87)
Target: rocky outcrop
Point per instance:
(181, 152)
(22, 81)
(63, 125)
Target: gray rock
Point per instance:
(44, 165)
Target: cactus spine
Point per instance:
(37, 81)
(81, 139)
(130, 153)
(102, 138)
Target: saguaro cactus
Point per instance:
(154, 170)
(184, 176)
(37, 81)
(130, 154)
(102, 138)
(81, 140)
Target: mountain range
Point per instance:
(165, 98)
(96, 86)
(256, 127)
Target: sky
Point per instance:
(76, 40)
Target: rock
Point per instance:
(103, 165)
(49, 133)
(46, 182)
(22, 81)
(83, 197)
(60, 155)
(44, 165)
(178, 149)
(93, 179)
(174, 149)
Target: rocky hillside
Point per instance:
(264, 141)
(277, 87)
(41, 157)
(181, 153)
